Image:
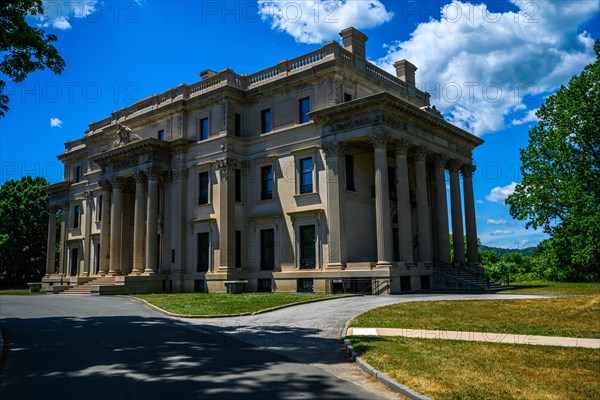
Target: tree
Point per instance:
(23, 230)
(560, 189)
(25, 49)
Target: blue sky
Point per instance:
(488, 65)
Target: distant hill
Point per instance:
(527, 251)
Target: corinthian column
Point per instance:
(226, 168)
(336, 257)
(116, 221)
(470, 222)
(443, 233)
(457, 222)
(152, 223)
(51, 245)
(139, 223)
(403, 205)
(382, 200)
(105, 228)
(424, 218)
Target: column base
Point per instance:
(383, 264)
(335, 266)
(136, 273)
(149, 273)
(114, 273)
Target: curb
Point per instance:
(1, 344)
(267, 310)
(380, 376)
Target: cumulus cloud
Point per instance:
(501, 232)
(483, 64)
(316, 21)
(56, 123)
(58, 12)
(528, 117)
(491, 221)
(479, 201)
(500, 193)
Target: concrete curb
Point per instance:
(267, 310)
(380, 376)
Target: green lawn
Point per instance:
(18, 292)
(545, 287)
(448, 369)
(216, 303)
(577, 316)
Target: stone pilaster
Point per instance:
(154, 177)
(382, 200)
(443, 229)
(336, 246)
(226, 168)
(116, 221)
(62, 259)
(403, 205)
(423, 211)
(470, 222)
(51, 243)
(105, 228)
(457, 221)
(176, 218)
(139, 224)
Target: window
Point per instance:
(74, 260)
(203, 252)
(99, 214)
(350, 173)
(97, 259)
(237, 130)
(204, 129)
(265, 121)
(161, 134)
(307, 247)
(304, 107)
(347, 97)
(306, 175)
(264, 285)
(203, 188)
(76, 216)
(396, 243)
(266, 185)
(77, 174)
(238, 185)
(267, 249)
(199, 285)
(238, 249)
(305, 285)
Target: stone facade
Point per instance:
(320, 173)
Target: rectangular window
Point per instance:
(307, 247)
(350, 173)
(97, 259)
(305, 285)
(304, 108)
(204, 129)
(267, 249)
(100, 207)
(264, 285)
(203, 188)
(347, 97)
(237, 130)
(238, 249)
(238, 185)
(306, 175)
(77, 174)
(74, 261)
(199, 286)
(396, 244)
(265, 121)
(203, 252)
(76, 216)
(266, 185)
(161, 134)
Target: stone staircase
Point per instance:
(462, 277)
(85, 288)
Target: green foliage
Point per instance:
(23, 230)
(25, 49)
(560, 189)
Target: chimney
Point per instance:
(207, 73)
(405, 71)
(354, 41)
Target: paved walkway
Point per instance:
(478, 337)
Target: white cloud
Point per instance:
(56, 123)
(528, 117)
(479, 201)
(500, 193)
(491, 221)
(480, 64)
(316, 21)
(500, 232)
(58, 12)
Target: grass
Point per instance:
(577, 316)
(563, 288)
(18, 292)
(447, 369)
(217, 304)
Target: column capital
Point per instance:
(105, 185)
(179, 174)
(454, 166)
(440, 161)
(154, 174)
(401, 147)
(467, 170)
(379, 140)
(140, 176)
(333, 149)
(225, 165)
(118, 182)
(421, 153)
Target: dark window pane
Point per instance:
(237, 131)
(304, 109)
(203, 188)
(267, 249)
(77, 174)
(238, 185)
(307, 247)
(100, 208)
(203, 252)
(76, 216)
(350, 173)
(161, 134)
(306, 177)
(347, 97)
(204, 129)
(305, 285)
(265, 121)
(238, 249)
(266, 190)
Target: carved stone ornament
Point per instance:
(125, 136)
(401, 147)
(441, 160)
(225, 165)
(179, 174)
(421, 153)
(467, 170)
(379, 140)
(333, 149)
(154, 174)
(140, 176)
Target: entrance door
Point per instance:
(74, 261)
(307, 247)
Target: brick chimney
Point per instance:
(405, 71)
(354, 41)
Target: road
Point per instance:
(67, 347)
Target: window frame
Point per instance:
(263, 121)
(302, 115)
(202, 129)
(350, 178)
(263, 181)
(302, 189)
(208, 252)
(199, 187)
(161, 134)
(263, 249)
(76, 224)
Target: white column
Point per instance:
(382, 201)
(336, 249)
(443, 232)
(87, 237)
(51, 244)
(62, 259)
(403, 205)
(457, 222)
(116, 220)
(105, 228)
(423, 211)
(226, 168)
(139, 224)
(176, 219)
(152, 223)
(470, 222)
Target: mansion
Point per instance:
(322, 173)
